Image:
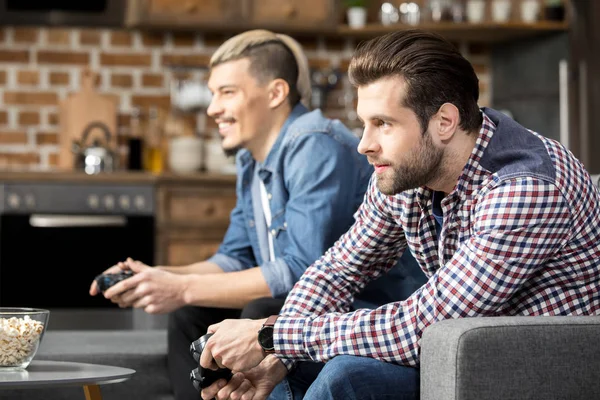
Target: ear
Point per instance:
(278, 92)
(448, 119)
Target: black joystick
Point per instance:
(203, 377)
(104, 281)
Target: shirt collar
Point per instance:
(486, 131)
(268, 166)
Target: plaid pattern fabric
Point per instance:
(515, 241)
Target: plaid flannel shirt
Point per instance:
(521, 236)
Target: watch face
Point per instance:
(265, 338)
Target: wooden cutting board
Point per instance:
(79, 110)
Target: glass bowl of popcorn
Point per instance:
(21, 331)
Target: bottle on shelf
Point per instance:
(153, 152)
(135, 143)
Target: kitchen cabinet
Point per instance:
(184, 13)
(192, 217)
(309, 18)
(309, 14)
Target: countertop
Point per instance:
(124, 177)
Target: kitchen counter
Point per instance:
(125, 177)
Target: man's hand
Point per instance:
(119, 267)
(255, 384)
(152, 289)
(234, 344)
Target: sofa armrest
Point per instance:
(511, 358)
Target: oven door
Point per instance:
(50, 260)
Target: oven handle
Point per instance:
(68, 221)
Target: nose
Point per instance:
(214, 108)
(368, 144)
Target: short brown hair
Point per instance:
(434, 71)
(272, 56)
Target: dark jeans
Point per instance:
(189, 323)
(349, 378)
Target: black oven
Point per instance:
(99, 13)
(55, 238)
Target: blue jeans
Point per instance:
(349, 378)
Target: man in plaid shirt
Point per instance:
(501, 219)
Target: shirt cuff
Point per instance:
(289, 363)
(278, 276)
(288, 337)
(226, 263)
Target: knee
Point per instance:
(262, 308)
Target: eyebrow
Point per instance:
(382, 117)
(222, 87)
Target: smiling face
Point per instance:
(404, 158)
(239, 105)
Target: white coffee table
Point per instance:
(48, 374)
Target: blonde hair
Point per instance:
(249, 43)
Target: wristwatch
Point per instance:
(265, 335)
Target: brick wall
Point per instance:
(39, 67)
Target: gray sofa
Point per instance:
(506, 358)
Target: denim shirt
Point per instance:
(315, 179)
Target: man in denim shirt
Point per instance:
(300, 180)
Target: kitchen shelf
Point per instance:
(484, 32)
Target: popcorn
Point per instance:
(19, 339)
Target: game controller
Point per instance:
(204, 377)
(104, 281)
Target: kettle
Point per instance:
(96, 157)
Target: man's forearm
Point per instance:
(226, 290)
(199, 268)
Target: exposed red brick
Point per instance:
(152, 80)
(62, 57)
(480, 68)
(200, 60)
(15, 56)
(126, 59)
(336, 44)
(53, 118)
(344, 64)
(59, 36)
(151, 101)
(308, 43)
(214, 40)
(19, 158)
(29, 118)
(3, 118)
(28, 77)
(59, 78)
(26, 35)
(43, 138)
(153, 39)
(478, 48)
(13, 137)
(121, 80)
(89, 37)
(121, 38)
(53, 159)
(123, 120)
(183, 39)
(31, 98)
(319, 63)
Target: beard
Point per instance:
(229, 151)
(422, 166)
